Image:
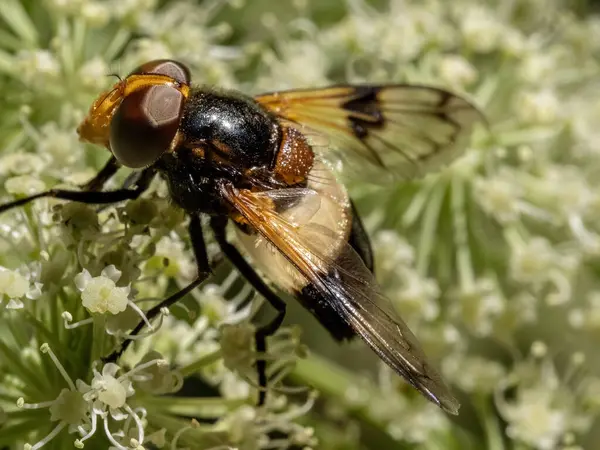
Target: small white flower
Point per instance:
(93, 72)
(474, 374)
(498, 196)
(146, 49)
(12, 283)
(132, 9)
(21, 163)
(82, 406)
(588, 316)
(538, 66)
(24, 185)
(417, 296)
(480, 306)
(236, 346)
(541, 410)
(457, 71)
(234, 387)
(542, 107)
(392, 251)
(36, 65)
(532, 261)
(157, 378)
(111, 391)
(480, 29)
(60, 145)
(534, 420)
(101, 294)
(96, 13)
(16, 284)
(172, 250)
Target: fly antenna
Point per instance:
(115, 75)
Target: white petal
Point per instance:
(117, 414)
(112, 272)
(35, 292)
(98, 408)
(82, 386)
(110, 369)
(82, 279)
(14, 303)
(129, 390)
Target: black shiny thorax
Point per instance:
(225, 137)
(232, 125)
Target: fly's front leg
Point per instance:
(89, 197)
(218, 225)
(97, 183)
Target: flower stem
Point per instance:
(191, 406)
(200, 363)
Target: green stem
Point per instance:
(200, 363)
(192, 438)
(331, 381)
(493, 431)
(16, 18)
(461, 237)
(417, 204)
(198, 407)
(430, 222)
(116, 45)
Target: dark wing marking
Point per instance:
(314, 254)
(408, 130)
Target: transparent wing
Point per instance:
(406, 130)
(317, 256)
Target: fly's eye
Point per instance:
(145, 124)
(168, 67)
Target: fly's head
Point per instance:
(138, 118)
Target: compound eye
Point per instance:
(168, 67)
(145, 125)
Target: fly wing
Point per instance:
(314, 254)
(406, 130)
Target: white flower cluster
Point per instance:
(81, 406)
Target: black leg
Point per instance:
(199, 247)
(105, 174)
(91, 197)
(131, 179)
(135, 180)
(218, 225)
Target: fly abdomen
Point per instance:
(312, 299)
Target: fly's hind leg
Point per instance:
(218, 225)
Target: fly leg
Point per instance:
(218, 225)
(97, 183)
(204, 271)
(90, 197)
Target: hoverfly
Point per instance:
(248, 160)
